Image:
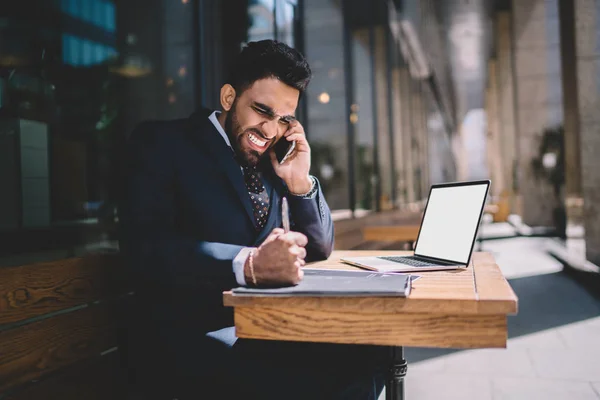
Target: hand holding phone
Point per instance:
(290, 158)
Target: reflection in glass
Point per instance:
(398, 119)
(70, 95)
(285, 21)
(364, 163)
(326, 99)
(260, 14)
(383, 130)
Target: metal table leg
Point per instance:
(394, 385)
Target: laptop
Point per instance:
(447, 234)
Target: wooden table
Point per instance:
(448, 309)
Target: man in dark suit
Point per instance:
(201, 213)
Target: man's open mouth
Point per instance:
(255, 140)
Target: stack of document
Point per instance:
(322, 282)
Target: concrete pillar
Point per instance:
(460, 155)
(506, 100)
(417, 139)
(424, 144)
(572, 148)
(538, 100)
(494, 149)
(409, 134)
(399, 130)
(425, 140)
(421, 140)
(587, 62)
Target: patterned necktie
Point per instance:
(258, 196)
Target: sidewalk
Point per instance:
(554, 342)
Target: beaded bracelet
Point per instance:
(251, 265)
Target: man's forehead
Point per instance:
(278, 96)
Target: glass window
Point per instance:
(262, 24)
(326, 99)
(109, 17)
(362, 118)
(68, 114)
(87, 52)
(285, 11)
(98, 13)
(398, 119)
(73, 8)
(87, 7)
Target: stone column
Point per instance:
(506, 100)
(399, 122)
(572, 149)
(538, 100)
(425, 141)
(494, 148)
(413, 139)
(587, 61)
(418, 134)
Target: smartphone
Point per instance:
(283, 149)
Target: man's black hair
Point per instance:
(269, 59)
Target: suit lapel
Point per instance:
(204, 133)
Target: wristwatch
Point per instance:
(311, 193)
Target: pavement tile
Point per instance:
(491, 363)
(579, 364)
(428, 366)
(548, 339)
(456, 387)
(540, 389)
(596, 386)
(522, 257)
(583, 334)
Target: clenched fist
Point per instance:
(279, 260)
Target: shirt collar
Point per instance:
(215, 121)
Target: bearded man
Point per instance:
(201, 213)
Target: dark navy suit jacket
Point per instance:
(185, 214)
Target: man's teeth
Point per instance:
(256, 140)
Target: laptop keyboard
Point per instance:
(409, 260)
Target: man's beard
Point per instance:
(232, 128)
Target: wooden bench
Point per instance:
(395, 233)
(352, 234)
(59, 329)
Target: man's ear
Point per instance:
(227, 96)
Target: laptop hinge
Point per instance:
(433, 260)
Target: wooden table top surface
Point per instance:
(479, 289)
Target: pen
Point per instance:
(285, 215)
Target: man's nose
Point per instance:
(270, 129)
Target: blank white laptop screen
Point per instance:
(450, 222)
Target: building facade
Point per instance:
(76, 76)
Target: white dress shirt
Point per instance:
(240, 260)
